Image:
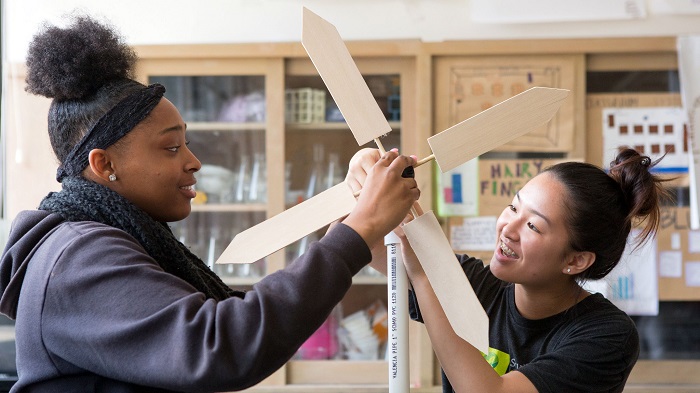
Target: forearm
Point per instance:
(463, 364)
(379, 258)
(378, 250)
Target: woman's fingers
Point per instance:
(360, 164)
(386, 196)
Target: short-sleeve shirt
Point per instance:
(591, 347)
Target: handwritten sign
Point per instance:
(475, 234)
(500, 180)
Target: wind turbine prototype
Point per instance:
(452, 147)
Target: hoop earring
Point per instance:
(112, 177)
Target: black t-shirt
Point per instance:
(591, 347)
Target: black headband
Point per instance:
(111, 127)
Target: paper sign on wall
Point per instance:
(694, 242)
(692, 274)
(475, 234)
(670, 264)
(632, 285)
(501, 179)
(457, 190)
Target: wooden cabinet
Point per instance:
(236, 101)
(437, 85)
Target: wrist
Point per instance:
(417, 275)
(364, 229)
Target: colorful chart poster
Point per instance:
(654, 132)
(457, 190)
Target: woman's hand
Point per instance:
(386, 196)
(361, 164)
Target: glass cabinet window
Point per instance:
(319, 146)
(225, 118)
(235, 99)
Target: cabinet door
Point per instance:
(319, 144)
(225, 107)
(318, 148)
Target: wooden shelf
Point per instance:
(314, 388)
(230, 207)
(357, 388)
(368, 280)
(335, 372)
(222, 126)
(356, 280)
(331, 126)
(240, 281)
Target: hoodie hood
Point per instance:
(28, 232)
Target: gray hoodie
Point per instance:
(95, 313)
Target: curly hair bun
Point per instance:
(74, 62)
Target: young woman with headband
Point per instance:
(105, 298)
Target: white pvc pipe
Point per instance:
(397, 292)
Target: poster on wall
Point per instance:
(678, 246)
(480, 88)
(632, 285)
(501, 179)
(474, 234)
(457, 190)
(467, 85)
(655, 132)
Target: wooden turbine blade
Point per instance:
(495, 126)
(342, 78)
(455, 294)
(289, 226)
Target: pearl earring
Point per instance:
(568, 270)
(112, 177)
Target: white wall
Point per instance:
(216, 21)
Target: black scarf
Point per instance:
(84, 200)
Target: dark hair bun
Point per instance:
(74, 62)
(643, 190)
